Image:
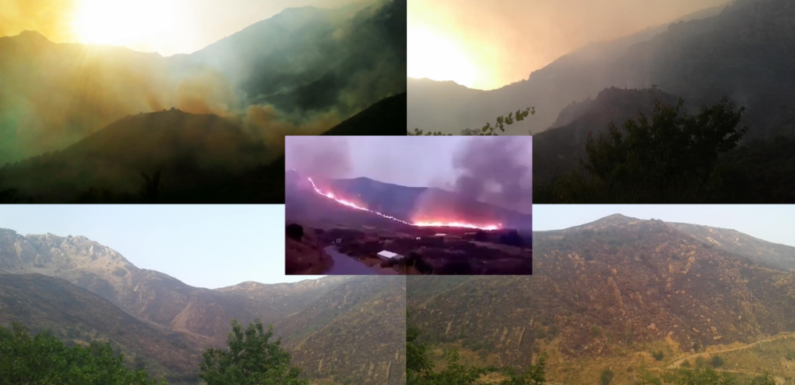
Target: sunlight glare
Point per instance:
(435, 56)
(135, 24)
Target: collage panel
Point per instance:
(409, 205)
(621, 294)
(183, 294)
(654, 101)
(179, 101)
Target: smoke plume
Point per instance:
(496, 170)
(325, 156)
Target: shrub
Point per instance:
(295, 232)
(658, 355)
(606, 377)
(717, 362)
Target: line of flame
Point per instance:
(352, 205)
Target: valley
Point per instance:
(82, 291)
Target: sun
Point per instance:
(135, 24)
(433, 55)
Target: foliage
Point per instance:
(606, 377)
(708, 376)
(658, 355)
(670, 157)
(420, 369)
(252, 359)
(44, 359)
(717, 362)
(488, 129)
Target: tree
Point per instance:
(488, 129)
(717, 362)
(420, 369)
(670, 157)
(44, 359)
(252, 359)
(606, 377)
(295, 232)
(658, 355)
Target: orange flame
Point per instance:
(344, 202)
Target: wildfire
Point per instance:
(332, 196)
(458, 224)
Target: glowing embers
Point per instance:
(344, 202)
(352, 205)
(459, 224)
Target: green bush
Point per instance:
(606, 377)
(658, 355)
(44, 359)
(717, 362)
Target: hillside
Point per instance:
(608, 294)
(44, 273)
(559, 150)
(383, 118)
(305, 67)
(75, 315)
(741, 51)
(337, 332)
(189, 157)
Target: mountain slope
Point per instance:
(77, 316)
(194, 154)
(742, 52)
(355, 332)
(83, 290)
(383, 118)
(608, 293)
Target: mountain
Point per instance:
(406, 203)
(83, 290)
(383, 118)
(305, 67)
(559, 149)
(189, 151)
(612, 292)
(741, 51)
(78, 316)
(354, 334)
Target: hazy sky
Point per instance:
(772, 223)
(489, 44)
(208, 246)
(165, 26)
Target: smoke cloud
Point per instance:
(325, 156)
(48, 17)
(496, 170)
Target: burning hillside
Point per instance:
(425, 222)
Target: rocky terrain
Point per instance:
(611, 293)
(83, 290)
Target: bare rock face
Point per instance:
(613, 285)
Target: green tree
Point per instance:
(420, 369)
(44, 359)
(717, 362)
(670, 157)
(606, 377)
(252, 359)
(658, 355)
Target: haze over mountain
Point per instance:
(740, 50)
(86, 291)
(610, 293)
(303, 71)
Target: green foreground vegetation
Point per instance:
(252, 358)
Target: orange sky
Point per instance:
(164, 26)
(489, 44)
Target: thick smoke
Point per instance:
(496, 170)
(324, 156)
